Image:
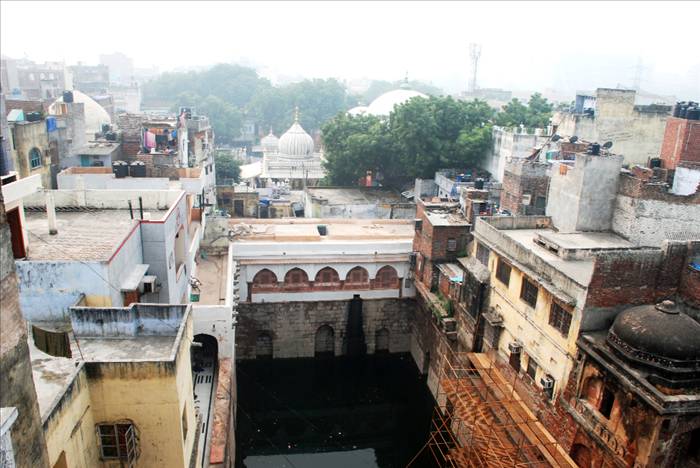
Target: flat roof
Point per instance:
(52, 376)
(132, 348)
(580, 270)
(306, 230)
(446, 218)
(98, 149)
(82, 235)
(355, 195)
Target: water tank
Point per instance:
(594, 149)
(67, 96)
(479, 184)
(137, 169)
(120, 169)
(106, 128)
(33, 116)
(111, 136)
(676, 109)
(683, 111)
(693, 114)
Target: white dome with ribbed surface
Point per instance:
(384, 104)
(296, 143)
(270, 142)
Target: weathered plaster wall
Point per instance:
(16, 385)
(293, 325)
(510, 143)
(581, 197)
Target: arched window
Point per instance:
(357, 277)
(592, 389)
(264, 280)
(381, 341)
(263, 345)
(387, 278)
(324, 344)
(34, 157)
(327, 277)
(581, 455)
(296, 278)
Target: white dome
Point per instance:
(384, 104)
(296, 142)
(95, 114)
(359, 110)
(270, 142)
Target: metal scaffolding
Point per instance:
(481, 421)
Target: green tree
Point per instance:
(420, 137)
(228, 169)
(535, 114)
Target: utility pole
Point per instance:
(474, 54)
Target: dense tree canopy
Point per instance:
(535, 114)
(420, 137)
(230, 93)
(228, 169)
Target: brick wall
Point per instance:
(636, 187)
(638, 276)
(681, 142)
(293, 326)
(524, 178)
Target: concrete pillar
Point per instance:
(51, 213)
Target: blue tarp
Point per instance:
(51, 124)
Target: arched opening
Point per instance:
(34, 157)
(592, 389)
(387, 278)
(581, 455)
(692, 451)
(357, 278)
(296, 279)
(327, 278)
(264, 280)
(263, 346)
(205, 355)
(325, 341)
(381, 341)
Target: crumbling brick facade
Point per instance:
(525, 185)
(681, 142)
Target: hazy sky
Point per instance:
(525, 45)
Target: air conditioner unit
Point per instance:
(527, 198)
(148, 285)
(547, 382)
(412, 259)
(515, 347)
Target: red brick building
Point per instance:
(681, 142)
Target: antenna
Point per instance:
(474, 54)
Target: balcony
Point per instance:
(442, 310)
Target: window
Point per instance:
(387, 278)
(357, 275)
(117, 441)
(606, 403)
(560, 318)
(451, 245)
(327, 277)
(531, 367)
(514, 359)
(482, 254)
(503, 272)
(34, 158)
(528, 292)
(184, 423)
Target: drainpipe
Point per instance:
(51, 213)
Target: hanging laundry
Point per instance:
(149, 140)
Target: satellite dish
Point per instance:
(607, 145)
(573, 139)
(556, 137)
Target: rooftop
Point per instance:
(307, 230)
(82, 235)
(98, 149)
(52, 376)
(446, 218)
(355, 195)
(582, 244)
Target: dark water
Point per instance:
(368, 411)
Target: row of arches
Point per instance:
(326, 278)
(324, 342)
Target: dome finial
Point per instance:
(405, 84)
(296, 114)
